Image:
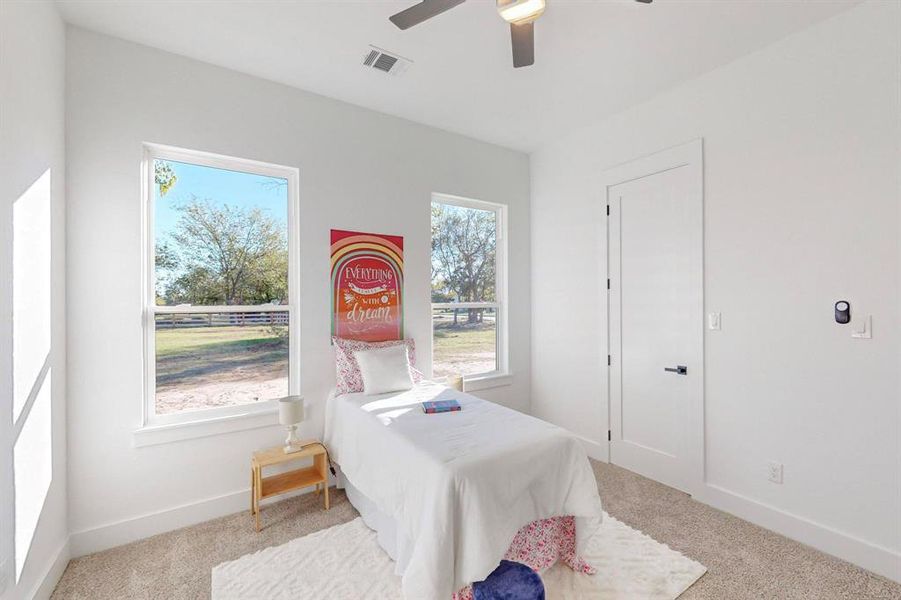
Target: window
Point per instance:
(468, 288)
(220, 328)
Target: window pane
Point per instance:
(221, 237)
(464, 243)
(208, 360)
(465, 341)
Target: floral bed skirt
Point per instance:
(540, 545)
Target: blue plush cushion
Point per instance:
(510, 581)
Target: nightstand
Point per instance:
(265, 487)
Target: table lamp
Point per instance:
(455, 381)
(290, 413)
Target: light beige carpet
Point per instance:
(743, 561)
(346, 562)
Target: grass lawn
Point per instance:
(205, 339)
(197, 355)
(203, 367)
(464, 348)
(457, 340)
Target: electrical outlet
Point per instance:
(774, 472)
(714, 321)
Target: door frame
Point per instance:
(688, 155)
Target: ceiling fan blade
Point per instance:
(523, 37)
(423, 11)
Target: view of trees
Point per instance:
(164, 176)
(218, 254)
(464, 244)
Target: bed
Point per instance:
(448, 493)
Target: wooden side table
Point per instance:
(264, 487)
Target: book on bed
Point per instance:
(440, 406)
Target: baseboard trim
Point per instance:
(45, 586)
(595, 450)
(880, 560)
(115, 534)
(96, 539)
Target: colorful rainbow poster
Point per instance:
(367, 286)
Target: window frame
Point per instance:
(501, 374)
(150, 421)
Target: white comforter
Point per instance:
(459, 485)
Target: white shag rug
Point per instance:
(345, 562)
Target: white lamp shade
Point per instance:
(290, 410)
(455, 381)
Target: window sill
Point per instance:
(152, 435)
(485, 382)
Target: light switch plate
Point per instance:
(714, 321)
(865, 330)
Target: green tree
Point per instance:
(165, 257)
(164, 176)
(166, 261)
(227, 256)
(464, 247)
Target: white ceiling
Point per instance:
(593, 57)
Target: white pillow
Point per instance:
(384, 370)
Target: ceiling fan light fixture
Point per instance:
(520, 11)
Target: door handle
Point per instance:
(679, 370)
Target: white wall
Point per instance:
(359, 170)
(33, 525)
(801, 209)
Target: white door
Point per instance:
(656, 325)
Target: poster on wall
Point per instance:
(367, 286)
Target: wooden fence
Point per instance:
(213, 319)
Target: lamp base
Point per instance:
(297, 445)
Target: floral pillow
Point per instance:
(349, 378)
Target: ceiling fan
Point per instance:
(521, 14)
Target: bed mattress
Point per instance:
(448, 492)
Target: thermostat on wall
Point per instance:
(842, 312)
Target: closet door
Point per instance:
(656, 335)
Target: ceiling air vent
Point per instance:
(383, 61)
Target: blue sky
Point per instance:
(234, 188)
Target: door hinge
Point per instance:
(608, 360)
(609, 436)
(608, 283)
(608, 210)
